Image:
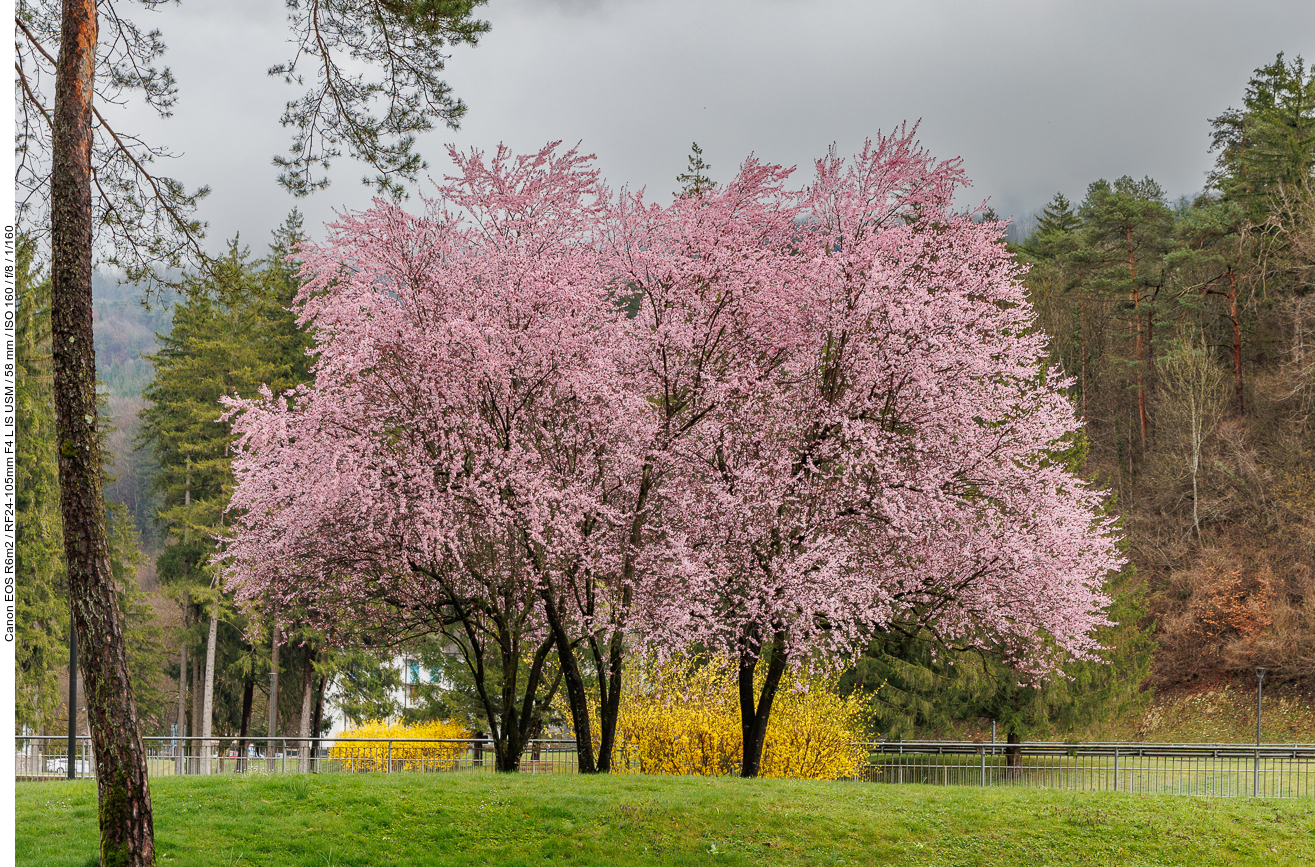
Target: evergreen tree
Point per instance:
(41, 648)
(1128, 229)
(1268, 144)
(695, 180)
(232, 334)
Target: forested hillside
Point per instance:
(125, 336)
(1188, 328)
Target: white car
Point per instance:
(60, 766)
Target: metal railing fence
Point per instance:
(1212, 770)
(45, 757)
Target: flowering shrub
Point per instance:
(407, 755)
(683, 717)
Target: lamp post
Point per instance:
(1260, 690)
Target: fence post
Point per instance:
(1116, 769)
(983, 755)
(1255, 780)
(389, 766)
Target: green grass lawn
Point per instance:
(441, 819)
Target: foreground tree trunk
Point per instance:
(127, 834)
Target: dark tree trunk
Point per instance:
(576, 696)
(1013, 757)
(318, 720)
(753, 719)
(248, 699)
(1238, 403)
(609, 707)
(127, 834)
(198, 677)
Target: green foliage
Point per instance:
(695, 181)
(41, 650)
(230, 336)
(1270, 142)
(364, 682)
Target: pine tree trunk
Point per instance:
(181, 764)
(307, 694)
(1238, 403)
(208, 706)
(127, 833)
(273, 700)
(198, 695)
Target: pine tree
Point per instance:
(42, 606)
(695, 181)
(1269, 144)
(231, 335)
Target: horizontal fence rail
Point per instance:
(45, 757)
(1212, 770)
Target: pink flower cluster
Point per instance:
(811, 413)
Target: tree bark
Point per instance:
(248, 699)
(576, 696)
(1238, 403)
(318, 720)
(1013, 757)
(198, 677)
(127, 833)
(181, 764)
(753, 719)
(208, 705)
(273, 699)
(307, 693)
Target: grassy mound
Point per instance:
(458, 819)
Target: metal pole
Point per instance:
(1116, 769)
(72, 690)
(1260, 691)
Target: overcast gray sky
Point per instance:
(1037, 97)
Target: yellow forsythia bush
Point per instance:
(683, 717)
(407, 755)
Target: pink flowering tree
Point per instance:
(874, 452)
(769, 421)
(467, 425)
